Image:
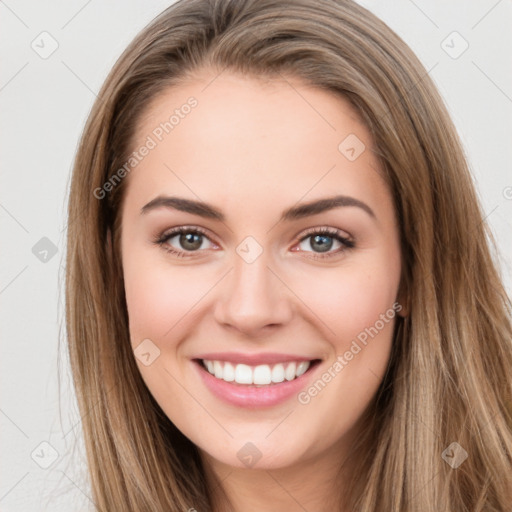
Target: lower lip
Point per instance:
(250, 396)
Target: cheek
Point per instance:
(357, 308)
(349, 299)
(160, 300)
(160, 296)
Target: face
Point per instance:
(293, 295)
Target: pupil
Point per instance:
(190, 241)
(325, 242)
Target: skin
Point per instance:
(253, 149)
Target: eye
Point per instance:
(320, 241)
(183, 240)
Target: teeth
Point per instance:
(228, 372)
(277, 374)
(303, 366)
(217, 369)
(289, 373)
(243, 374)
(260, 375)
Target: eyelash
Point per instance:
(163, 238)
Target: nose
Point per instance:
(253, 298)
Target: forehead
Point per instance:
(231, 136)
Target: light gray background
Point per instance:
(44, 104)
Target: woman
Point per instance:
(278, 275)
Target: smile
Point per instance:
(257, 385)
(261, 375)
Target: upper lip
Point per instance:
(253, 359)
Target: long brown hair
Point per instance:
(449, 378)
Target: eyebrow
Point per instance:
(295, 212)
